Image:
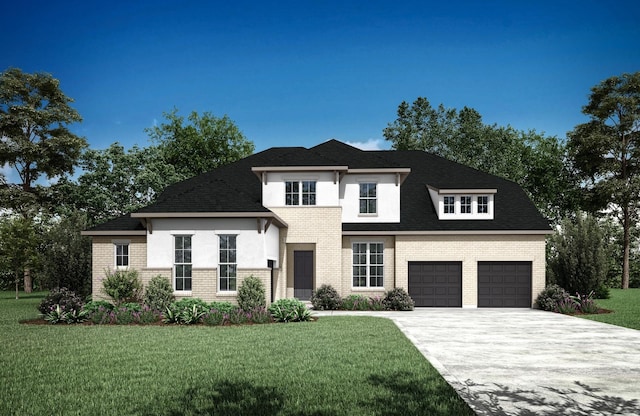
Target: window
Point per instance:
(304, 191)
(449, 204)
(368, 265)
(292, 193)
(182, 263)
(483, 205)
(122, 254)
(368, 199)
(308, 192)
(465, 204)
(228, 263)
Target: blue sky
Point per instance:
(301, 72)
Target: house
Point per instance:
(362, 221)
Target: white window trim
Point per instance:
(458, 215)
(219, 291)
(368, 287)
(116, 243)
(177, 292)
(300, 191)
(368, 214)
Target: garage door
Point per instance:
(504, 284)
(436, 283)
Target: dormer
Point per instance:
(463, 204)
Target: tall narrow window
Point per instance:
(182, 263)
(483, 204)
(449, 204)
(368, 265)
(300, 193)
(228, 262)
(122, 254)
(465, 204)
(368, 198)
(292, 193)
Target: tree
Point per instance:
(65, 254)
(605, 153)
(116, 181)
(578, 260)
(18, 244)
(204, 143)
(34, 139)
(534, 161)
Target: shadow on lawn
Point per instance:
(547, 401)
(401, 394)
(228, 398)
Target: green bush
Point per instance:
(95, 305)
(578, 259)
(356, 303)
(159, 293)
(251, 294)
(289, 310)
(123, 286)
(186, 311)
(398, 300)
(224, 307)
(58, 315)
(550, 297)
(67, 299)
(326, 298)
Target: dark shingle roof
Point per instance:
(235, 188)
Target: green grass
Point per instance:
(625, 305)
(334, 366)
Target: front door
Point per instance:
(302, 274)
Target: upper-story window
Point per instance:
(122, 255)
(300, 192)
(465, 205)
(483, 204)
(449, 204)
(368, 198)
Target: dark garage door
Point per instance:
(504, 284)
(436, 283)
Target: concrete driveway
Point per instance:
(528, 362)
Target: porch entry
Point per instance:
(302, 274)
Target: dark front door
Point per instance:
(504, 284)
(271, 264)
(302, 274)
(436, 283)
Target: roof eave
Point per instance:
(277, 220)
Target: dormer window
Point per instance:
(483, 204)
(300, 191)
(450, 204)
(465, 204)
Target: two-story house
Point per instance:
(362, 221)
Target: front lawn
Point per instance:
(334, 366)
(625, 305)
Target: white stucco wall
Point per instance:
(387, 193)
(273, 192)
(253, 248)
